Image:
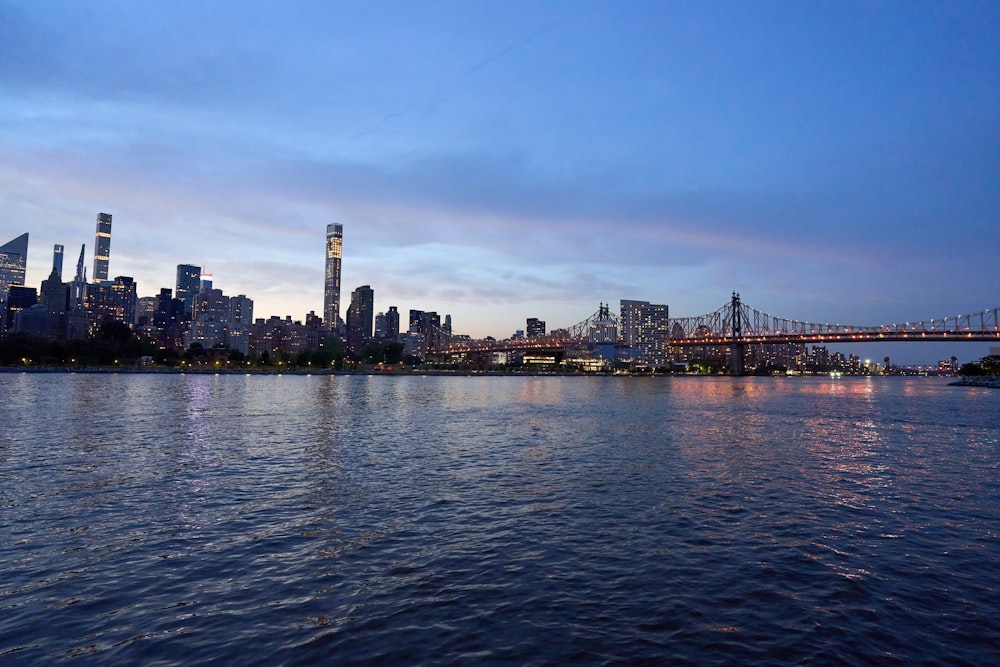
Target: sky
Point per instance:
(833, 162)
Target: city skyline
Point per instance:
(498, 162)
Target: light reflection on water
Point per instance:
(262, 519)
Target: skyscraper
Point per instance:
(57, 260)
(79, 284)
(54, 296)
(19, 298)
(13, 260)
(535, 327)
(331, 292)
(113, 301)
(102, 247)
(188, 285)
(630, 320)
(360, 316)
(651, 335)
(392, 324)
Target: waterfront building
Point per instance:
(275, 338)
(380, 326)
(424, 332)
(13, 261)
(629, 320)
(331, 290)
(209, 318)
(220, 320)
(110, 300)
(167, 320)
(360, 316)
(240, 322)
(645, 330)
(102, 248)
(650, 335)
(188, 285)
(535, 327)
(392, 324)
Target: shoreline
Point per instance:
(974, 381)
(989, 381)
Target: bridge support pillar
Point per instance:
(736, 360)
(737, 348)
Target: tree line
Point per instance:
(115, 344)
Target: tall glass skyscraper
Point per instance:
(57, 260)
(13, 260)
(102, 247)
(331, 292)
(188, 285)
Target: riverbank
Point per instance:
(991, 381)
(163, 370)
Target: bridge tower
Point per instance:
(736, 348)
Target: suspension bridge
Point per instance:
(734, 325)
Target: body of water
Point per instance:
(164, 519)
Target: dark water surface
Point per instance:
(162, 519)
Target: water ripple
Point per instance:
(353, 519)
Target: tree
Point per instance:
(393, 353)
(335, 348)
(196, 349)
(113, 330)
(989, 365)
(372, 354)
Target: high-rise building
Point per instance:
(188, 285)
(416, 317)
(535, 327)
(19, 298)
(102, 248)
(167, 320)
(331, 292)
(240, 323)
(79, 284)
(392, 324)
(54, 296)
(57, 260)
(652, 333)
(360, 317)
(110, 301)
(145, 310)
(629, 320)
(13, 261)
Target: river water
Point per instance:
(163, 519)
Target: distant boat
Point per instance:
(836, 374)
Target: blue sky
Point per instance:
(831, 161)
